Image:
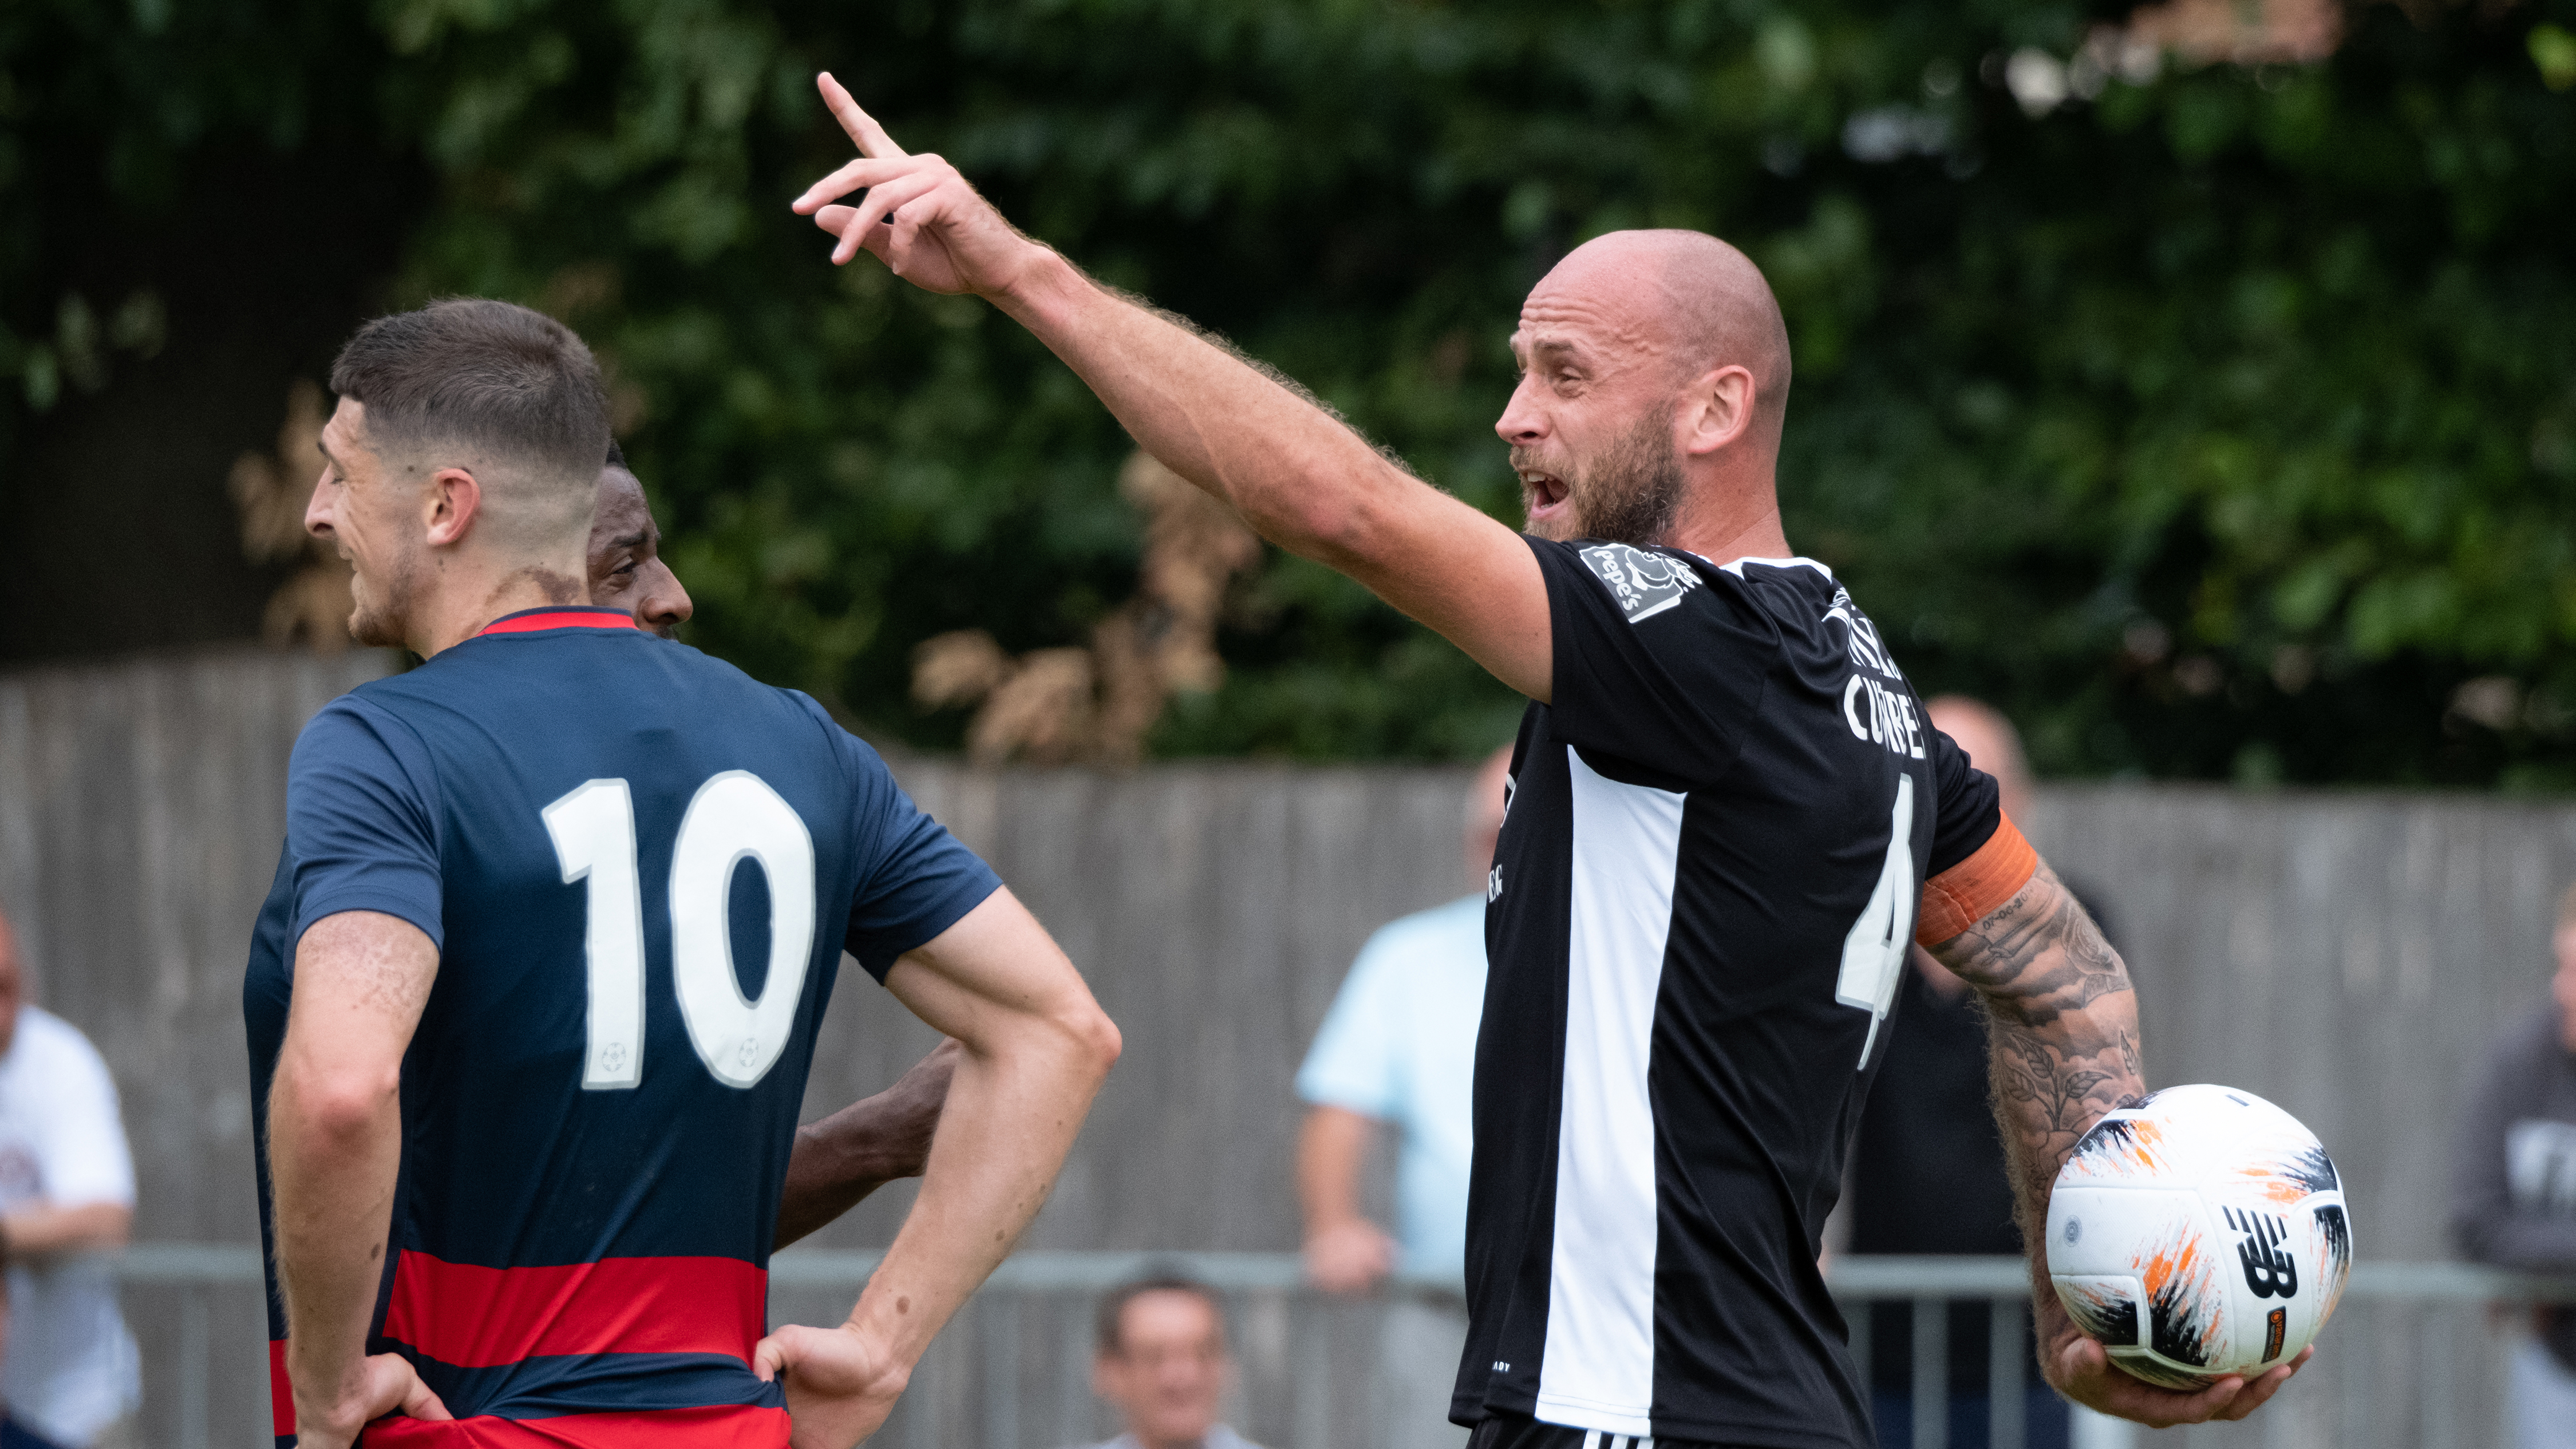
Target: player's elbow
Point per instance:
(334, 1105)
(1093, 1039)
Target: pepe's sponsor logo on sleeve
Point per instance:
(1645, 584)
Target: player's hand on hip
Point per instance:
(840, 1385)
(387, 1383)
(2081, 1369)
(919, 216)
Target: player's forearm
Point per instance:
(828, 1174)
(1021, 1091)
(1300, 476)
(838, 1161)
(1330, 1146)
(334, 1152)
(2062, 1029)
(42, 1228)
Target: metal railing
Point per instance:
(1012, 1372)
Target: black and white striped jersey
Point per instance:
(1717, 833)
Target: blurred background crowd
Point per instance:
(2189, 389)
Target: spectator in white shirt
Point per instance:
(66, 1195)
(1397, 1053)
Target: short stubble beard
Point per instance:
(1633, 492)
(384, 624)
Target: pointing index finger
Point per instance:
(873, 142)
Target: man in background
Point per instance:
(2514, 1203)
(66, 1194)
(1162, 1364)
(1398, 1050)
(1928, 1164)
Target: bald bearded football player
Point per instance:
(1727, 819)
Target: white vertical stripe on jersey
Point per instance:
(1598, 1367)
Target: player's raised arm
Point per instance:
(1299, 475)
(2063, 1030)
(335, 1145)
(1035, 1047)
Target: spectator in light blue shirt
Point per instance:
(1398, 1050)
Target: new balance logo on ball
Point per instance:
(2269, 1272)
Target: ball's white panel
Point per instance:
(2100, 1229)
(2100, 1233)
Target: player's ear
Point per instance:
(1717, 409)
(449, 506)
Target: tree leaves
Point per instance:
(2270, 362)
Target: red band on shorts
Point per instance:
(481, 1317)
(281, 1394)
(1977, 887)
(723, 1427)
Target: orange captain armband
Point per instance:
(1977, 887)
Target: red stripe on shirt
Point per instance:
(476, 1317)
(725, 1427)
(558, 619)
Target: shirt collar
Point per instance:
(558, 616)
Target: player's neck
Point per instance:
(471, 593)
(1730, 509)
(1722, 534)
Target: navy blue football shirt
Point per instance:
(640, 867)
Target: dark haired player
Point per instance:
(626, 567)
(566, 906)
(1725, 811)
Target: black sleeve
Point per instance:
(1969, 805)
(1653, 663)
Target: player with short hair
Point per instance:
(1726, 807)
(566, 903)
(626, 566)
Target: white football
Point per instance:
(2200, 1235)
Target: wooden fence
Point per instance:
(2348, 955)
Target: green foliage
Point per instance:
(2219, 425)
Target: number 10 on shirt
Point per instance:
(735, 817)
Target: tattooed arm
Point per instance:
(2062, 1028)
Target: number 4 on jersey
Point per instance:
(1874, 952)
(735, 817)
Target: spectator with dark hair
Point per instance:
(2514, 1199)
(1161, 1362)
(66, 1196)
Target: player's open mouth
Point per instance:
(1541, 492)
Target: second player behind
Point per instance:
(843, 1157)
